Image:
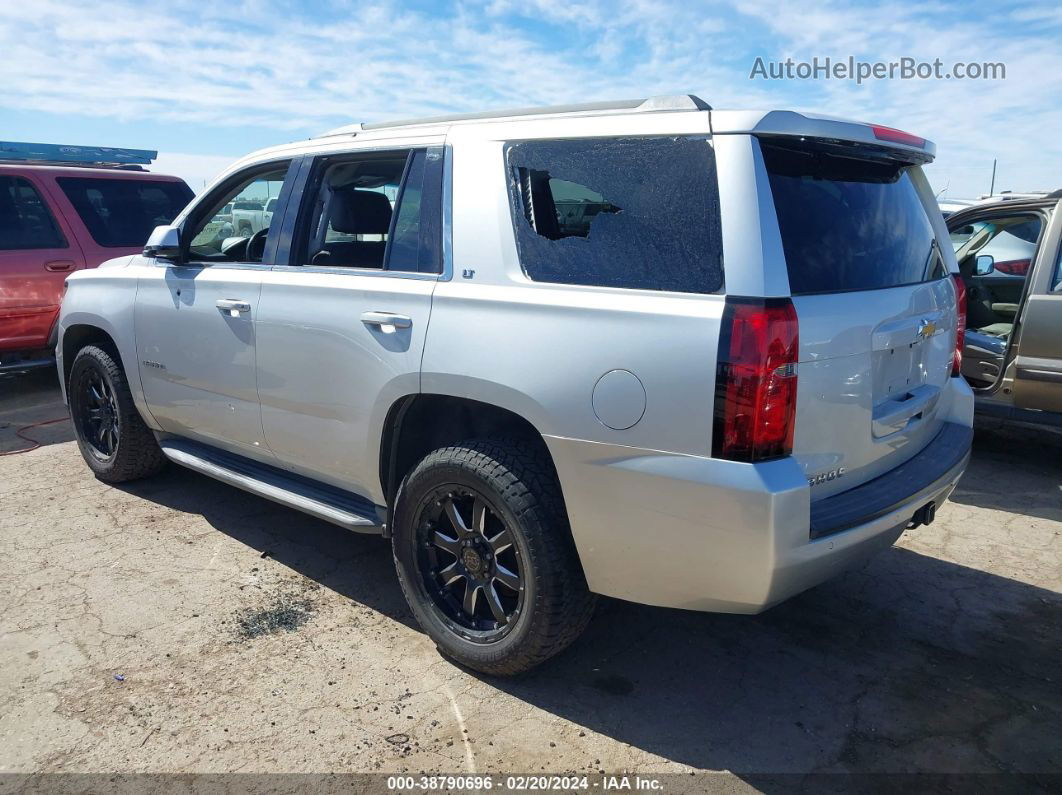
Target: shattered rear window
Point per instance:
(640, 213)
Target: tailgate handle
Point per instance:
(895, 415)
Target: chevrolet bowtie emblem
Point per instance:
(926, 329)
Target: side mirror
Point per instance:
(984, 264)
(165, 241)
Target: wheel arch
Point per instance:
(416, 424)
(81, 335)
(86, 328)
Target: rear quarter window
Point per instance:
(638, 213)
(120, 213)
(848, 223)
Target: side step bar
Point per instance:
(25, 364)
(326, 502)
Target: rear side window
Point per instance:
(848, 223)
(25, 220)
(640, 213)
(121, 213)
(378, 210)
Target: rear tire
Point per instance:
(112, 437)
(488, 516)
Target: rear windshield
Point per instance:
(848, 224)
(121, 213)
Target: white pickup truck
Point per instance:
(249, 217)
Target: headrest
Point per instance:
(360, 212)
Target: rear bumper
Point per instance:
(842, 547)
(897, 489)
(704, 534)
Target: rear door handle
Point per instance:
(233, 306)
(386, 319)
(59, 265)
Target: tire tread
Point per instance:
(524, 478)
(139, 454)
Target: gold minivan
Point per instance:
(1011, 265)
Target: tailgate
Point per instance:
(875, 306)
(873, 367)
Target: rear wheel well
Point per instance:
(77, 337)
(418, 424)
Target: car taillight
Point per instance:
(756, 380)
(960, 325)
(1013, 267)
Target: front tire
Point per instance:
(112, 437)
(485, 556)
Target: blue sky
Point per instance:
(204, 83)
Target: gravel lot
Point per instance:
(177, 624)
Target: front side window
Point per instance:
(236, 221)
(379, 210)
(25, 220)
(120, 213)
(638, 213)
(995, 258)
(1010, 242)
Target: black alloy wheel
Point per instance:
(97, 414)
(468, 563)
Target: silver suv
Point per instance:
(694, 358)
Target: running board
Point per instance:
(303, 494)
(26, 364)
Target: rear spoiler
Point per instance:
(789, 123)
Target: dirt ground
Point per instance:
(180, 625)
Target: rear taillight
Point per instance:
(960, 325)
(1012, 267)
(756, 380)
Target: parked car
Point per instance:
(950, 206)
(731, 377)
(248, 217)
(59, 215)
(1009, 257)
(220, 226)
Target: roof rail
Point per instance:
(61, 154)
(674, 102)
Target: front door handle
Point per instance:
(59, 265)
(383, 319)
(233, 306)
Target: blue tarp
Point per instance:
(61, 153)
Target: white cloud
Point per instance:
(1015, 120)
(258, 63)
(197, 170)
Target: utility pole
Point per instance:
(992, 189)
